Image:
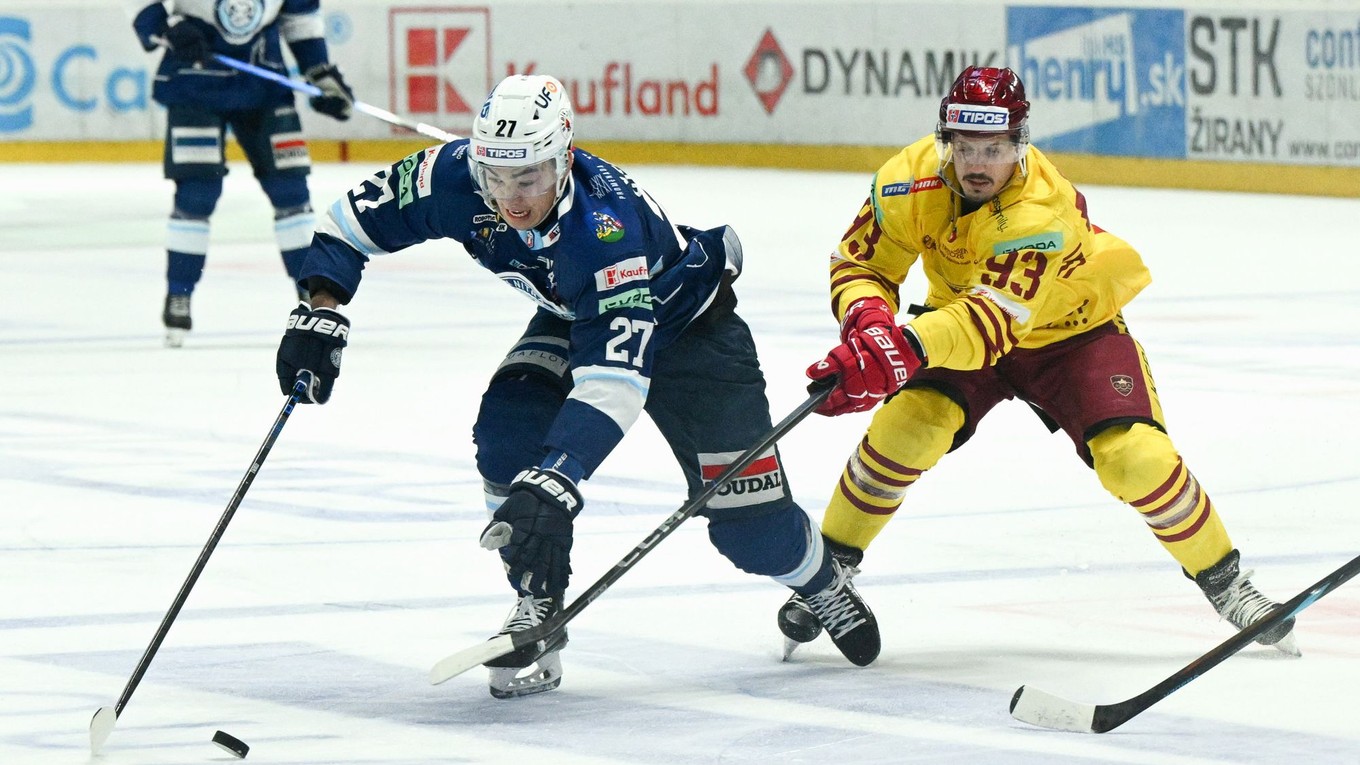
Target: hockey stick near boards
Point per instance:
(306, 87)
(104, 719)
(456, 664)
(309, 89)
(1045, 710)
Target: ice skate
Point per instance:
(534, 668)
(175, 316)
(798, 624)
(796, 621)
(1236, 599)
(839, 610)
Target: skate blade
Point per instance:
(511, 682)
(790, 645)
(174, 338)
(1289, 646)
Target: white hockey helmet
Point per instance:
(526, 122)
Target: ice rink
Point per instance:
(352, 565)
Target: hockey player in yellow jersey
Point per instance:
(1024, 301)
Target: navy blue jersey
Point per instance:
(608, 260)
(248, 31)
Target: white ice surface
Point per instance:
(352, 564)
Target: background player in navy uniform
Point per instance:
(202, 97)
(633, 313)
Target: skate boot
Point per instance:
(176, 318)
(841, 611)
(537, 667)
(796, 621)
(1236, 599)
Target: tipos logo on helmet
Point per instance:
(988, 119)
(493, 152)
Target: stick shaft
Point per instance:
(456, 664)
(312, 90)
(298, 389)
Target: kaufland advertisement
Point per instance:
(1257, 84)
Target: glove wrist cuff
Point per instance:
(866, 312)
(551, 487)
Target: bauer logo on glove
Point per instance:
(314, 341)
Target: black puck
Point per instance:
(231, 744)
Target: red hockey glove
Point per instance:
(873, 360)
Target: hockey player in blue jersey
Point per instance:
(634, 313)
(203, 97)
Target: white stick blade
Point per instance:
(456, 664)
(100, 727)
(1045, 710)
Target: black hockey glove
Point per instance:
(313, 341)
(532, 530)
(336, 99)
(188, 40)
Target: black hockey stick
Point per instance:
(106, 717)
(456, 664)
(1036, 707)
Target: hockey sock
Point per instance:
(1138, 465)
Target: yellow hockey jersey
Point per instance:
(1025, 270)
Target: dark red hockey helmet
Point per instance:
(985, 100)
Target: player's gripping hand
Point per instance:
(873, 360)
(532, 530)
(336, 99)
(189, 41)
(314, 341)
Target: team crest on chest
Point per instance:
(239, 20)
(1123, 384)
(607, 227)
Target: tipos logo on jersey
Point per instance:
(607, 227)
(1123, 384)
(630, 270)
(762, 481)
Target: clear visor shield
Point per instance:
(999, 150)
(508, 183)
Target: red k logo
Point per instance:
(441, 60)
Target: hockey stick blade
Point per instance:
(452, 666)
(456, 664)
(1045, 710)
(101, 726)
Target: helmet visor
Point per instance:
(982, 150)
(523, 182)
